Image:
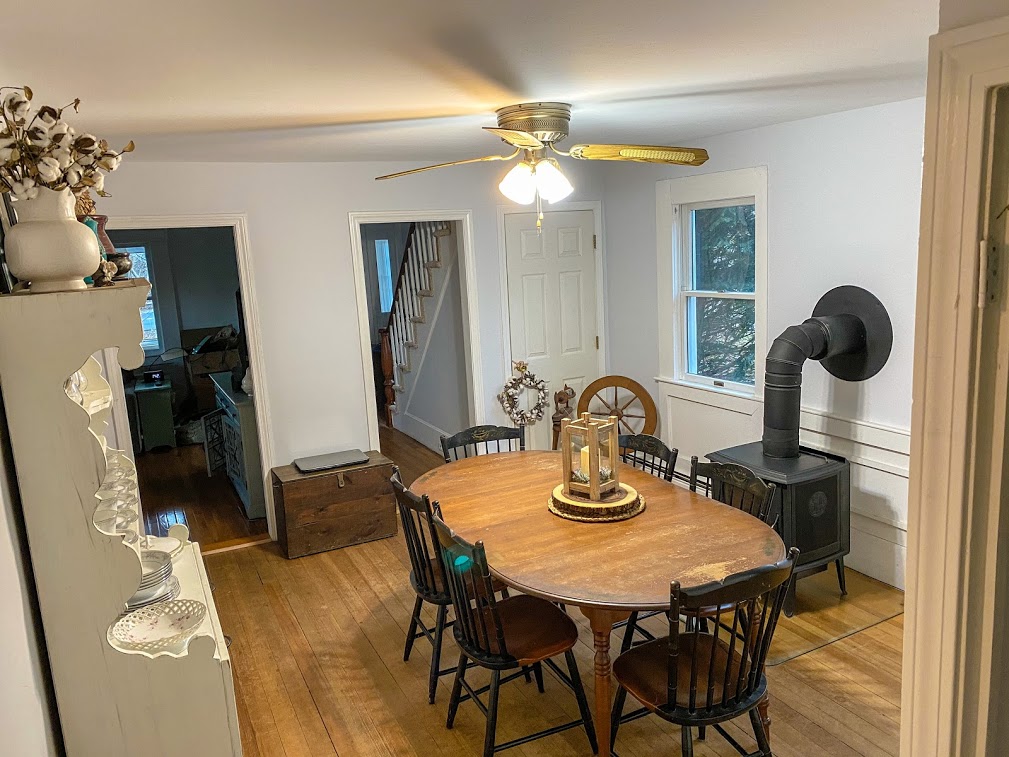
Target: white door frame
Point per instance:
(470, 305)
(239, 224)
(600, 249)
(948, 674)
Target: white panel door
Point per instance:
(552, 303)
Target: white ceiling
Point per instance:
(415, 79)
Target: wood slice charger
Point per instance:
(621, 504)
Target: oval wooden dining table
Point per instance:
(607, 570)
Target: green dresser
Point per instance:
(154, 410)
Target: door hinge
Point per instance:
(597, 343)
(593, 241)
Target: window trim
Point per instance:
(711, 190)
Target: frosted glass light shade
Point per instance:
(553, 186)
(519, 185)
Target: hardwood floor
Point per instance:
(318, 663)
(175, 488)
(317, 652)
(412, 457)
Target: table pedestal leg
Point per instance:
(602, 622)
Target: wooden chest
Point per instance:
(336, 508)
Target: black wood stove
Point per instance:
(850, 334)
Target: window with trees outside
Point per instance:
(719, 271)
(712, 251)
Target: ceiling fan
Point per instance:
(534, 129)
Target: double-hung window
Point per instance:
(711, 316)
(719, 294)
(141, 269)
(384, 265)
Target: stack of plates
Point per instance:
(156, 582)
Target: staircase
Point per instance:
(415, 286)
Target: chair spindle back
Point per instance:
(648, 453)
(478, 629)
(483, 440)
(730, 663)
(733, 485)
(415, 514)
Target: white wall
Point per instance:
(25, 722)
(205, 271)
(955, 13)
(396, 234)
(843, 201)
(304, 280)
(436, 393)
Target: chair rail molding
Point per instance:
(470, 305)
(239, 223)
(949, 679)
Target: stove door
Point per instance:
(816, 518)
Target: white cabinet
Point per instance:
(111, 701)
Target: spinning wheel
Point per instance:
(623, 397)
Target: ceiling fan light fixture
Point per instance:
(552, 185)
(519, 184)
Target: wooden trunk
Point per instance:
(336, 508)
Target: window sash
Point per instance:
(684, 293)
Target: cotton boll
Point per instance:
(16, 104)
(49, 169)
(24, 189)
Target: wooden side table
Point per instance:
(330, 509)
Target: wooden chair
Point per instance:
(483, 440)
(513, 634)
(426, 576)
(696, 679)
(648, 453)
(733, 485)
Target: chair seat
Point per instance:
(535, 629)
(644, 670)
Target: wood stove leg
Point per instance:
(602, 622)
(765, 717)
(839, 564)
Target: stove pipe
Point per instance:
(849, 332)
(813, 339)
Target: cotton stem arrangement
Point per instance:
(38, 149)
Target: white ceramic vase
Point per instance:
(48, 246)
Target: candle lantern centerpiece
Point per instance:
(590, 488)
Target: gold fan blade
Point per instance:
(679, 156)
(521, 139)
(446, 165)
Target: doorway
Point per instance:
(191, 408)
(553, 282)
(415, 295)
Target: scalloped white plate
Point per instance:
(163, 627)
